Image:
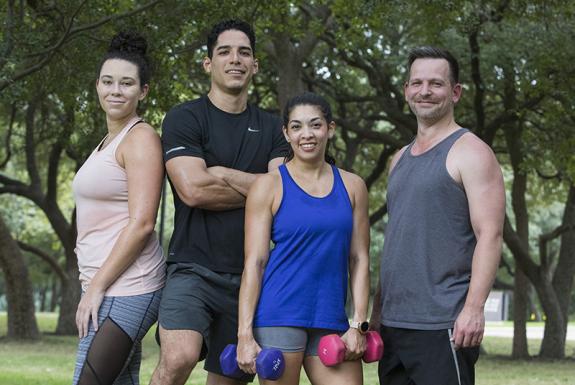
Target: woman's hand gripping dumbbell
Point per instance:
(331, 349)
(269, 363)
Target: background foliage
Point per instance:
(516, 67)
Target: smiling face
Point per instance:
(119, 89)
(307, 132)
(232, 64)
(429, 92)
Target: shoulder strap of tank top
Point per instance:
(448, 142)
(136, 122)
(128, 128)
(404, 154)
(121, 135)
(282, 169)
(287, 182)
(339, 185)
(337, 179)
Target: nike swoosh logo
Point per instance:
(252, 130)
(175, 149)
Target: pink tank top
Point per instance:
(101, 194)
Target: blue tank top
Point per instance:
(305, 280)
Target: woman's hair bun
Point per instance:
(128, 42)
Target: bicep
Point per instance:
(258, 220)
(144, 169)
(185, 170)
(181, 135)
(360, 233)
(483, 183)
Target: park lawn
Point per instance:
(50, 361)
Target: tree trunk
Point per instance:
(19, 296)
(69, 298)
(553, 344)
(42, 298)
(289, 63)
(521, 285)
(54, 297)
(520, 301)
(289, 56)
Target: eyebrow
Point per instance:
(311, 120)
(221, 47)
(122, 78)
(430, 79)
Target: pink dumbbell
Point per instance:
(331, 349)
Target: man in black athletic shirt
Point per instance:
(214, 147)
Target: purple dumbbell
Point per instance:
(270, 363)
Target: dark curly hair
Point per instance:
(132, 47)
(226, 25)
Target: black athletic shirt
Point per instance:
(245, 142)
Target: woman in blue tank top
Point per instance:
(316, 216)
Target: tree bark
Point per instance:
(520, 301)
(42, 300)
(289, 56)
(19, 296)
(518, 190)
(55, 296)
(553, 344)
(70, 291)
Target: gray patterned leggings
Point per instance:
(113, 354)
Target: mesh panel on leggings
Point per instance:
(107, 356)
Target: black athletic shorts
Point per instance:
(197, 298)
(424, 357)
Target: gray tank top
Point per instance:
(429, 242)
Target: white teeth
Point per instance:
(308, 146)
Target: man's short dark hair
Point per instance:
(226, 25)
(429, 52)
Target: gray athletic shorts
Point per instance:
(291, 339)
(197, 298)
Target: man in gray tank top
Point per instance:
(446, 206)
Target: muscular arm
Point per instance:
(239, 180)
(258, 224)
(141, 155)
(483, 182)
(196, 187)
(358, 266)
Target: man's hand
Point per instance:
(469, 327)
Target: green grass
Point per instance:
(50, 361)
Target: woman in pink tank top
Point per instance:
(117, 192)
